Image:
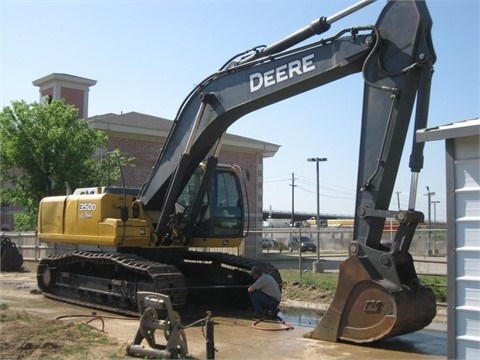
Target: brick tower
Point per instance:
(73, 89)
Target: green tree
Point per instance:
(51, 147)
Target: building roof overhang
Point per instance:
(449, 131)
(152, 128)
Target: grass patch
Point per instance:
(14, 316)
(309, 286)
(38, 338)
(91, 334)
(438, 284)
(320, 281)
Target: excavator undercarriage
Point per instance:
(110, 281)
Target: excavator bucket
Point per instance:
(11, 259)
(370, 302)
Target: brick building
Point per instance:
(142, 136)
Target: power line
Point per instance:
(273, 181)
(325, 195)
(276, 176)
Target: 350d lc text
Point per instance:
(88, 206)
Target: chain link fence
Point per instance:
(428, 246)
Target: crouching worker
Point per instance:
(264, 293)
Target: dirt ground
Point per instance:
(35, 327)
(29, 328)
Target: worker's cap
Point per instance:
(256, 270)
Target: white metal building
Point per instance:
(462, 150)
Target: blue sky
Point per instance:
(148, 55)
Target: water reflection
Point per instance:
(421, 342)
(301, 317)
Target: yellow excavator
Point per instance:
(148, 239)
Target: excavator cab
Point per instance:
(215, 213)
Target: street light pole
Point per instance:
(435, 221)
(429, 194)
(317, 160)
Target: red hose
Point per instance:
(92, 317)
(285, 326)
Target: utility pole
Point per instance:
(318, 265)
(429, 194)
(435, 212)
(435, 221)
(293, 199)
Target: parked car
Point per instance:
(267, 243)
(306, 244)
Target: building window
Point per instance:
(5, 208)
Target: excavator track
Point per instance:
(107, 281)
(110, 281)
(105, 308)
(213, 278)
